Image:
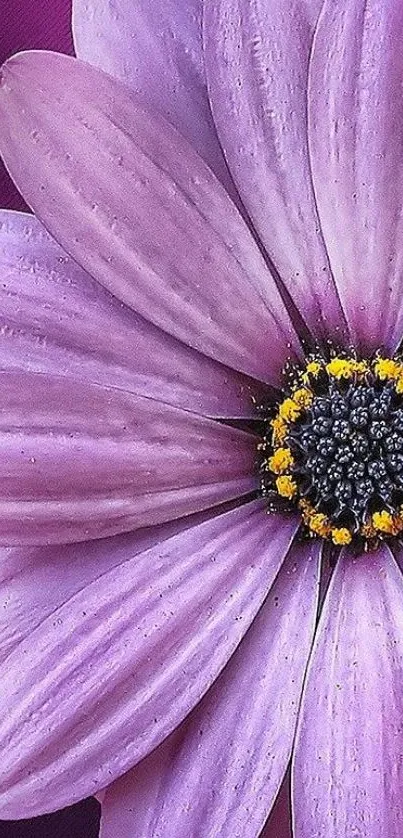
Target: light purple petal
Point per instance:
(82, 461)
(156, 49)
(55, 318)
(36, 581)
(107, 676)
(257, 55)
(31, 24)
(137, 207)
(219, 774)
(348, 769)
(356, 142)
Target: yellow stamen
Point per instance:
(286, 486)
(281, 460)
(386, 369)
(279, 427)
(385, 522)
(319, 524)
(312, 369)
(289, 410)
(302, 397)
(341, 535)
(343, 368)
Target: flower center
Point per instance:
(335, 448)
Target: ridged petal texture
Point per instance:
(219, 773)
(90, 461)
(108, 675)
(54, 318)
(156, 49)
(31, 24)
(257, 57)
(133, 203)
(348, 772)
(356, 144)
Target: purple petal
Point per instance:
(156, 49)
(83, 461)
(257, 56)
(348, 772)
(99, 171)
(34, 582)
(55, 318)
(356, 141)
(31, 24)
(219, 774)
(107, 676)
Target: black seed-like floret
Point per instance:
(349, 449)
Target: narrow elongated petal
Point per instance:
(347, 775)
(35, 581)
(156, 49)
(85, 461)
(55, 318)
(221, 772)
(106, 677)
(356, 142)
(99, 170)
(257, 55)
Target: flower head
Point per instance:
(203, 590)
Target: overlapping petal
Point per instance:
(107, 676)
(31, 24)
(356, 142)
(88, 461)
(348, 769)
(137, 207)
(55, 318)
(239, 737)
(156, 49)
(36, 581)
(257, 56)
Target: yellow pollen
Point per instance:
(302, 397)
(286, 486)
(281, 460)
(385, 522)
(399, 384)
(341, 535)
(279, 428)
(344, 368)
(312, 369)
(386, 369)
(360, 367)
(289, 410)
(319, 524)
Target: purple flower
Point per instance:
(232, 210)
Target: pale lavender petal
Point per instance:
(107, 676)
(221, 771)
(156, 49)
(356, 142)
(348, 768)
(55, 318)
(100, 171)
(35, 581)
(257, 56)
(31, 24)
(87, 461)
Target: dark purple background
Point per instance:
(45, 24)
